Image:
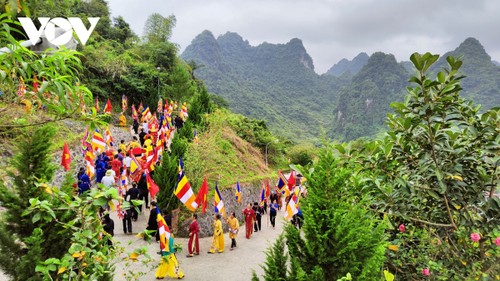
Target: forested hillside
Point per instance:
(277, 83)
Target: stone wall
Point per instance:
(250, 192)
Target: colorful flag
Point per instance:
(201, 198)
(124, 103)
(66, 157)
(184, 191)
(146, 114)
(140, 108)
(195, 139)
(184, 112)
(108, 107)
(85, 144)
(152, 187)
(282, 182)
(134, 166)
(218, 202)
(238, 192)
(159, 109)
(262, 195)
(291, 208)
(35, 84)
(124, 178)
(89, 162)
(109, 137)
(268, 188)
(292, 179)
(135, 115)
(166, 238)
(98, 142)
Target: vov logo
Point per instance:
(49, 26)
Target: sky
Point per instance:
(330, 29)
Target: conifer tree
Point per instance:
(20, 235)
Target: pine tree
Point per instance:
(20, 236)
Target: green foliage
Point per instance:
(275, 266)
(302, 154)
(159, 28)
(434, 176)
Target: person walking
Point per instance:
(273, 210)
(152, 224)
(218, 238)
(259, 211)
(249, 219)
(83, 181)
(143, 191)
(193, 244)
(108, 225)
(234, 227)
(133, 194)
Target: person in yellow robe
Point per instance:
(234, 227)
(169, 266)
(218, 238)
(123, 120)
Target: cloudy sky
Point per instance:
(330, 29)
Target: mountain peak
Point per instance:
(346, 66)
(471, 48)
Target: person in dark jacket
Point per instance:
(133, 194)
(142, 185)
(108, 226)
(83, 181)
(259, 211)
(152, 223)
(135, 126)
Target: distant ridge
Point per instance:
(347, 67)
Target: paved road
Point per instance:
(231, 265)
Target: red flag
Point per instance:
(268, 189)
(152, 187)
(201, 198)
(108, 107)
(66, 157)
(291, 181)
(135, 115)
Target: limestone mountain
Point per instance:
(347, 67)
(274, 82)
(277, 83)
(364, 104)
(482, 81)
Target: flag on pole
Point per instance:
(166, 238)
(135, 115)
(146, 114)
(152, 187)
(184, 191)
(282, 183)
(201, 198)
(159, 109)
(292, 179)
(291, 208)
(108, 107)
(66, 157)
(140, 108)
(124, 103)
(238, 192)
(262, 195)
(98, 142)
(109, 137)
(268, 188)
(218, 202)
(184, 112)
(89, 162)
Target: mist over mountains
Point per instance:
(277, 83)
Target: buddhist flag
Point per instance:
(152, 187)
(98, 142)
(159, 109)
(108, 107)
(89, 162)
(282, 183)
(135, 115)
(134, 166)
(66, 157)
(262, 195)
(184, 191)
(238, 192)
(201, 198)
(218, 203)
(140, 108)
(124, 103)
(146, 114)
(166, 238)
(268, 188)
(109, 137)
(291, 208)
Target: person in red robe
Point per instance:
(249, 219)
(193, 244)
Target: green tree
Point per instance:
(159, 28)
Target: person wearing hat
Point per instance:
(108, 180)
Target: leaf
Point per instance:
(36, 217)
(388, 276)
